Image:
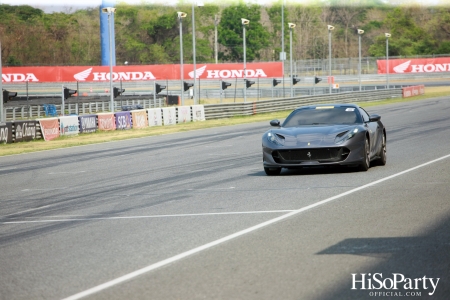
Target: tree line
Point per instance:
(149, 34)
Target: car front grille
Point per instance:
(322, 155)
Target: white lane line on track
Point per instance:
(28, 210)
(50, 189)
(214, 189)
(77, 172)
(7, 169)
(180, 256)
(148, 217)
(209, 169)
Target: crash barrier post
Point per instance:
(198, 113)
(88, 123)
(154, 117)
(184, 114)
(169, 116)
(49, 128)
(123, 120)
(69, 125)
(106, 121)
(139, 118)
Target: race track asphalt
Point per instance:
(193, 216)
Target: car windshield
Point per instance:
(322, 115)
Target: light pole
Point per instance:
(283, 54)
(330, 28)
(244, 23)
(291, 26)
(110, 11)
(216, 22)
(360, 32)
(387, 35)
(193, 50)
(181, 15)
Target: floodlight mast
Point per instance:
(291, 27)
(330, 28)
(110, 11)
(387, 35)
(181, 15)
(360, 32)
(245, 22)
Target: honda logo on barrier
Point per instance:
(421, 68)
(82, 75)
(401, 68)
(140, 72)
(17, 77)
(103, 76)
(227, 73)
(235, 73)
(198, 72)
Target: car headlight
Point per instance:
(275, 138)
(345, 136)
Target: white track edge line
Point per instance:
(148, 217)
(180, 256)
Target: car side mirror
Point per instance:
(374, 118)
(275, 123)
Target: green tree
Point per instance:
(275, 16)
(231, 32)
(408, 37)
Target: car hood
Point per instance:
(311, 136)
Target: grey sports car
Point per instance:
(324, 135)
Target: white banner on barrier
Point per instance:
(69, 125)
(139, 118)
(198, 113)
(154, 117)
(169, 116)
(184, 114)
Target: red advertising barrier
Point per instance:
(422, 65)
(49, 128)
(106, 121)
(412, 91)
(330, 79)
(139, 73)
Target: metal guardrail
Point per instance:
(210, 88)
(34, 111)
(212, 111)
(217, 111)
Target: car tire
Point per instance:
(365, 164)
(272, 171)
(383, 158)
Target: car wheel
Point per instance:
(272, 171)
(365, 164)
(382, 160)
